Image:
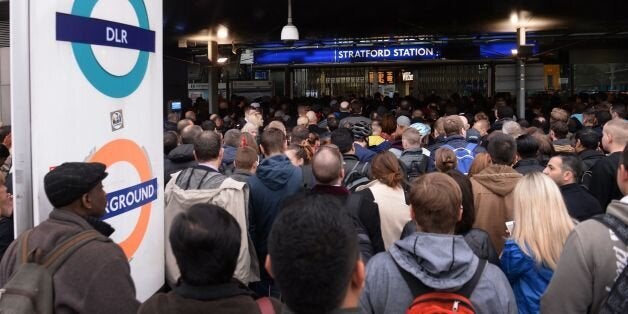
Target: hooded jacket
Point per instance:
(592, 259)
(229, 155)
(443, 262)
(276, 178)
(493, 200)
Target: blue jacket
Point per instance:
(455, 141)
(528, 280)
(229, 155)
(364, 154)
(275, 179)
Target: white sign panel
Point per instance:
(95, 78)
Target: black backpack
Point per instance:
(617, 300)
(353, 205)
(30, 288)
(416, 168)
(356, 176)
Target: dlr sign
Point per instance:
(117, 35)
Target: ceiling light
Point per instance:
(289, 32)
(514, 52)
(222, 60)
(223, 32)
(514, 18)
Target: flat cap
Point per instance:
(69, 181)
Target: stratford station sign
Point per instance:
(346, 54)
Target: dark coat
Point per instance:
(529, 165)
(581, 205)
(94, 279)
(589, 158)
(6, 234)
(368, 213)
(240, 175)
(181, 157)
(276, 178)
(604, 179)
(230, 298)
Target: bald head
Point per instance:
(183, 123)
(615, 135)
(311, 117)
(190, 133)
(327, 166)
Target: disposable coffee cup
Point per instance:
(510, 225)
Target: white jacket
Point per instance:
(233, 196)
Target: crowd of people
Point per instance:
(380, 205)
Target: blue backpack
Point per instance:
(465, 156)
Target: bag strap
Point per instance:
(22, 256)
(265, 305)
(619, 228)
(56, 257)
(346, 178)
(468, 288)
(363, 171)
(418, 288)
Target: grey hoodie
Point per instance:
(443, 262)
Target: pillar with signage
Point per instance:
(93, 73)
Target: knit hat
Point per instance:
(69, 181)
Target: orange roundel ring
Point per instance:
(127, 150)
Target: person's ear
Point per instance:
(359, 275)
(194, 154)
(342, 173)
(460, 213)
(261, 149)
(411, 212)
(85, 201)
(268, 265)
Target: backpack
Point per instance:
(428, 301)
(617, 300)
(465, 156)
(353, 205)
(31, 288)
(416, 168)
(356, 176)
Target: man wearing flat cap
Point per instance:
(96, 277)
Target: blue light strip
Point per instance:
(347, 54)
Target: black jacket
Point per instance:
(525, 166)
(368, 213)
(580, 203)
(589, 158)
(604, 179)
(181, 157)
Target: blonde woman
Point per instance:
(541, 227)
